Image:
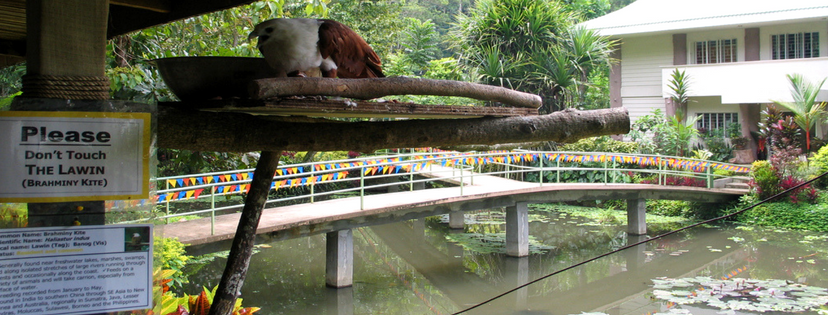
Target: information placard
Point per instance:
(74, 156)
(75, 270)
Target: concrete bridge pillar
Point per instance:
(517, 230)
(457, 220)
(636, 216)
(635, 257)
(419, 185)
(339, 259)
(419, 228)
(455, 250)
(517, 270)
(340, 301)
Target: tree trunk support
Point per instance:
(228, 132)
(517, 230)
(636, 216)
(238, 261)
(339, 259)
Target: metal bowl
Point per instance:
(204, 78)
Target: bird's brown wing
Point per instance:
(353, 56)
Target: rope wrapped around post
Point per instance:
(66, 87)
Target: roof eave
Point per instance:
(722, 22)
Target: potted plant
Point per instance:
(739, 143)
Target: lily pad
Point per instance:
(738, 294)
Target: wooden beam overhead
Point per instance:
(125, 19)
(162, 6)
(13, 19)
(6, 61)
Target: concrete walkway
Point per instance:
(487, 192)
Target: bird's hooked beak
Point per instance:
(262, 38)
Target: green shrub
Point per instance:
(170, 254)
(721, 150)
(686, 209)
(820, 163)
(765, 179)
(601, 144)
(721, 172)
(321, 156)
(803, 216)
(675, 208)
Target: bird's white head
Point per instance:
(263, 31)
(284, 30)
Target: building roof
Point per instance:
(124, 16)
(656, 16)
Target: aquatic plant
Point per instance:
(608, 217)
(740, 294)
(488, 243)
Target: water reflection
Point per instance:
(412, 268)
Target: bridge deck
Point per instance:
(487, 192)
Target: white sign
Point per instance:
(74, 156)
(74, 270)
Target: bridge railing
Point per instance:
(362, 176)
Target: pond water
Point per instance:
(423, 267)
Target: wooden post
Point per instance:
(241, 250)
(66, 38)
(517, 230)
(636, 216)
(66, 54)
(339, 267)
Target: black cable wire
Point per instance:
(642, 242)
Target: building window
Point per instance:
(711, 121)
(716, 51)
(795, 45)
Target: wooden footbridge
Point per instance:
(486, 192)
(473, 191)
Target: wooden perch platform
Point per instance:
(311, 107)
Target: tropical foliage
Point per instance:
(673, 135)
(807, 111)
(530, 45)
(166, 303)
(679, 85)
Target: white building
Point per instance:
(736, 53)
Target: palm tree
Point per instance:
(588, 49)
(679, 84)
(419, 41)
(807, 111)
(538, 49)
